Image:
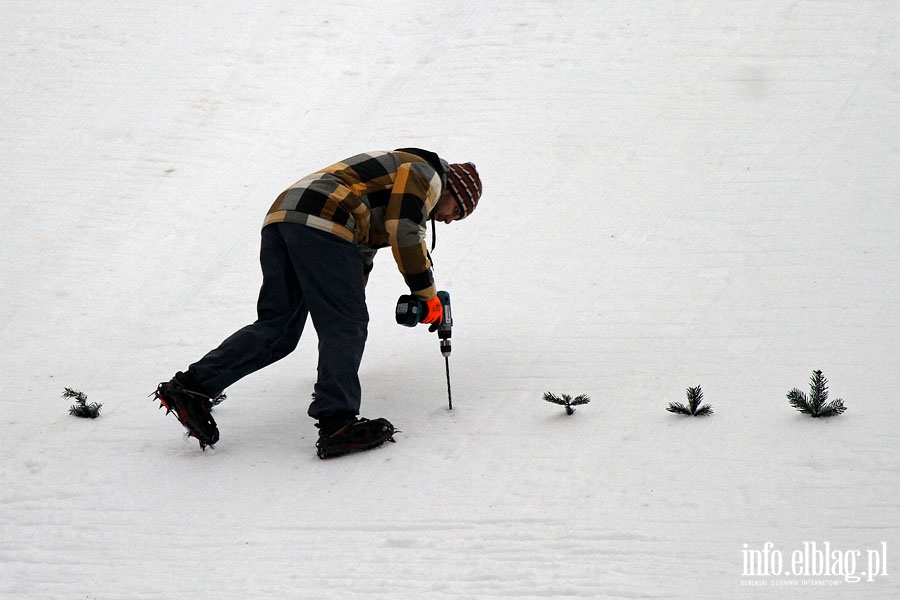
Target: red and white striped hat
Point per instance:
(465, 185)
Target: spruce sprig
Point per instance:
(693, 408)
(816, 404)
(81, 408)
(567, 401)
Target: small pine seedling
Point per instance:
(693, 408)
(567, 401)
(816, 405)
(81, 408)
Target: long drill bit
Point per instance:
(449, 395)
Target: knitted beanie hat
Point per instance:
(465, 185)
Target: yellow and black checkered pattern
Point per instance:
(376, 200)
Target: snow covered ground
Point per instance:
(677, 193)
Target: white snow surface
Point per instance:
(676, 193)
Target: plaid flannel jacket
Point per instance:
(376, 200)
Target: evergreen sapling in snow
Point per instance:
(693, 408)
(567, 401)
(81, 408)
(816, 404)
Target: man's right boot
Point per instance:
(356, 435)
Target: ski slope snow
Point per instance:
(677, 193)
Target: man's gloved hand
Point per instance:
(433, 313)
(412, 310)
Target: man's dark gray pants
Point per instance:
(305, 272)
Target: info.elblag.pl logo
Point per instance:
(812, 563)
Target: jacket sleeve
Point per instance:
(415, 192)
